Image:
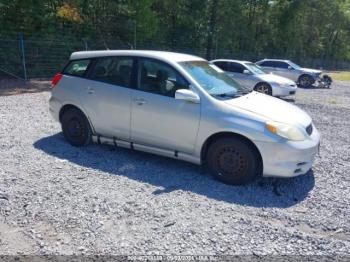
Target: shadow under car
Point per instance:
(171, 174)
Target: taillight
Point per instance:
(56, 79)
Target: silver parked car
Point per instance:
(184, 107)
(253, 77)
(305, 77)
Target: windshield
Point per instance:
(212, 78)
(295, 66)
(256, 70)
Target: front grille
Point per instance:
(292, 92)
(309, 129)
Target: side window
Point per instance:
(159, 78)
(268, 64)
(113, 70)
(77, 67)
(236, 68)
(221, 65)
(281, 64)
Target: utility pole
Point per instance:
(23, 56)
(213, 9)
(135, 32)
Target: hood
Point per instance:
(311, 71)
(275, 78)
(271, 108)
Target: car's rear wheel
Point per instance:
(264, 88)
(305, 81)
(76, 128)
(233, 161)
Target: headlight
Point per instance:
(287, 131)
(286, 85)
(280, 85)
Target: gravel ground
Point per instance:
(57, 199)
(15, 86)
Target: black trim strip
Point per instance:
(132, 145)
(99, 139)
(176, 153)
(115, 142)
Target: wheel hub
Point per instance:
(263, 89)
(230, 161)
(304, 81)
(75, 128)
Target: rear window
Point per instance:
(221, 65)
(77, 67)
(113, 70)
(236, 68)
(277, 64)
(268, 64)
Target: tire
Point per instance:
(233, 161)
(327, 80)
(305, 81)
(76, 128)
(264, 88)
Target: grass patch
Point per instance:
(340, 75)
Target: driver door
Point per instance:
(157, 118)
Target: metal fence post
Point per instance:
(23, 56)
(85, 45)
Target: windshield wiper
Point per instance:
(244, 92)
(225, 95)
(234, 94)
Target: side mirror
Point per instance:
(290, 68)
(246, 71)
(187, 95)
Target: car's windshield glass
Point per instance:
(295, 66)
(212, 78)
(256, 70)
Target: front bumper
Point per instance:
(323, 81)
(289, 158)
(54, 108)
(284, 90)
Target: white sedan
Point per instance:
(252, 76)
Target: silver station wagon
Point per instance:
(184, 107)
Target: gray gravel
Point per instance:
(57, 199)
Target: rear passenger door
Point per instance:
(107, 96)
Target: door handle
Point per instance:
(90, 90)
(140, 101)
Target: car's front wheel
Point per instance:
(232, 161)
(76, 128)
(305, 81)
(264, 88)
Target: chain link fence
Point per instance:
(11, 58)
(41, 58)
